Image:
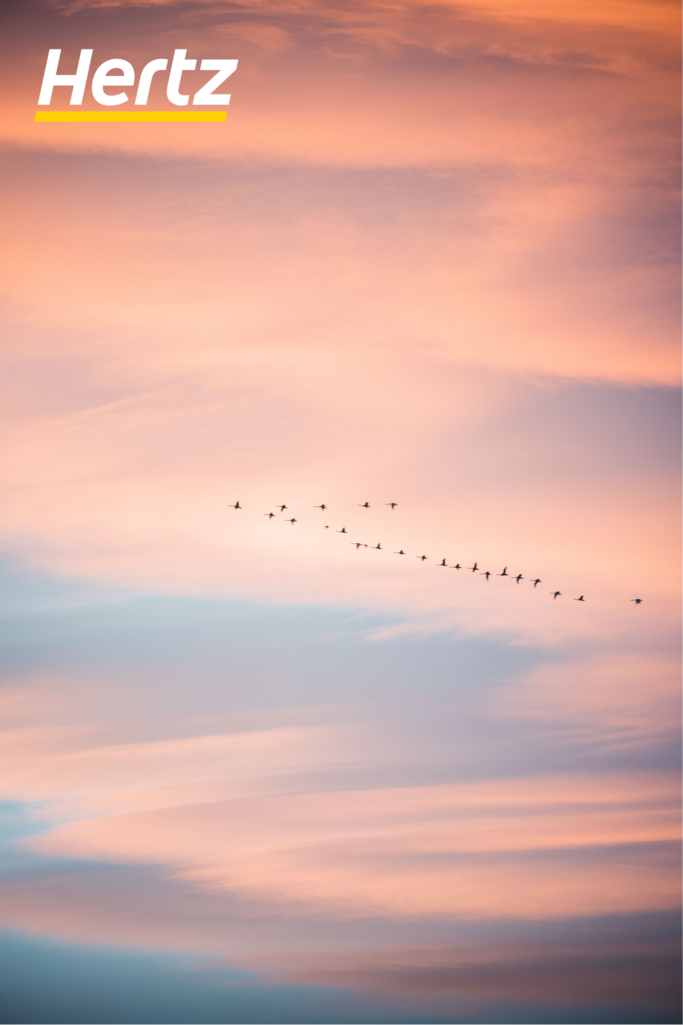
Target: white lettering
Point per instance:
(77, 81)
(206, 94)
(102, 79)
(117, 72)
(146, 76)
(177, 67)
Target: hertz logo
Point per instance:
(116, 73)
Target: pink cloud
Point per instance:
(265, 331)
(79, 764)
(287, 367)
(417, 220)
(624, 696)
(441, 850)
(116, 906)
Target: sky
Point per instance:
(252, 772)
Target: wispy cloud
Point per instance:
(449, 850)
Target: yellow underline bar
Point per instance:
(131, 115)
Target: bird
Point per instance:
(637, 600)
(423, 558)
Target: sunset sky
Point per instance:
(249, 772)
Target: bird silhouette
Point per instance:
(423, 558)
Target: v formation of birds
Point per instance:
(517, 577)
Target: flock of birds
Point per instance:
(423, 558)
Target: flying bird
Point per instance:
(423, 558)
(637, 600)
